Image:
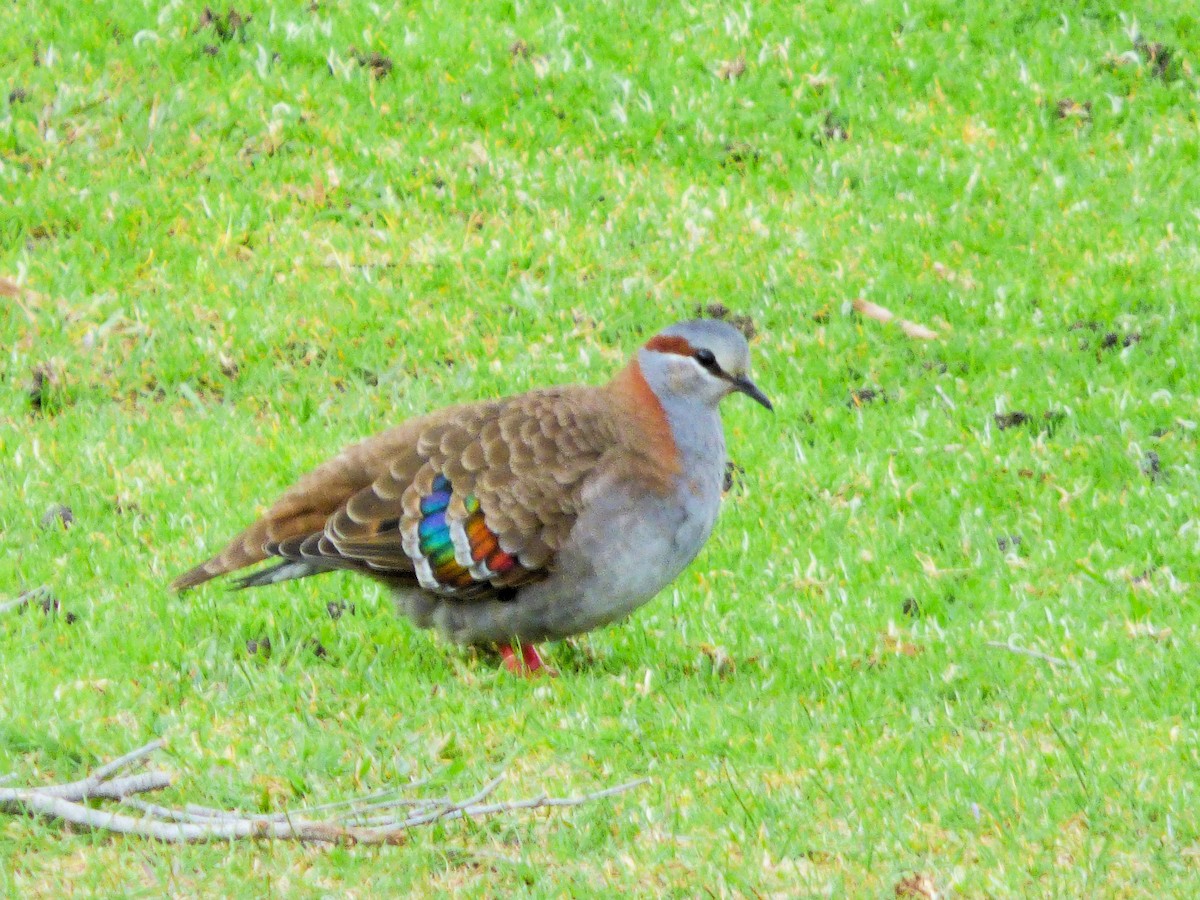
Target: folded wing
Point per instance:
(473, 501)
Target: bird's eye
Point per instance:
(706, 359)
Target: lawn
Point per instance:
(943, 640)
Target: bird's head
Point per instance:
(703, 359)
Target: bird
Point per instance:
(505, 523)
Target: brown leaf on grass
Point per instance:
(232, 24)
(1067, 108)
(732, 69)
(860, 397)
(44, 381)
(833, 128)
(883, 314)
(1157, 55)
(723, 664)
(1147, 630)
(743, 323)
(57, 514)
(893, 645)
(739, 153)
(919, 886)
(380, 65)
(1014, 419)
(732, 473)
(917, 331)
(873, 310)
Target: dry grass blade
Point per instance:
(945, 398)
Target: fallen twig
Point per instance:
(193, 823)
(24, 599)
(115, 789)
(353, 810)
(1025, 651)
(124, 762)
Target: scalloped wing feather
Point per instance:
(468, 502)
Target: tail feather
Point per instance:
(195, 577)
(244, 550)
(286, 570)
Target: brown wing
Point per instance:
(466, 502)
(303, 508)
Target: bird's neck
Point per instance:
(673, 432)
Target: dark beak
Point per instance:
(750, 389)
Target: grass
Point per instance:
(242, 245)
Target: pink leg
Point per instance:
(528, 664)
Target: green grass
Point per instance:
(238, 255)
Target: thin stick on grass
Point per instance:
(362, 804)
(351, 811)
(192, 824)
(1025, 651)
(24, 599)
(99, 786)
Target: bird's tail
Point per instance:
(286, 570)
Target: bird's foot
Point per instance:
(528, 663)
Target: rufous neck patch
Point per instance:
(652, 429)
(664, 343)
